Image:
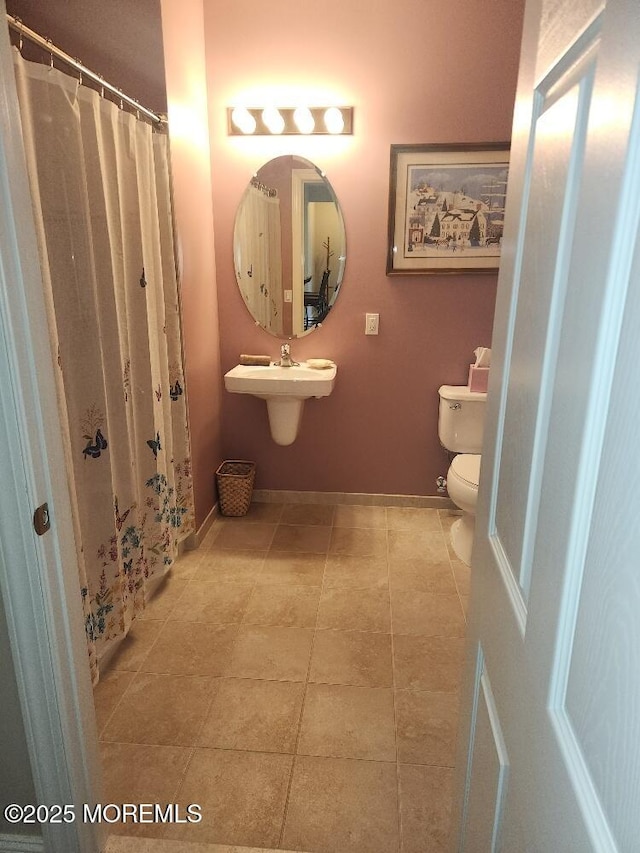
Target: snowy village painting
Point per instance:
(446, 208)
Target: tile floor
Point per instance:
(297, 677)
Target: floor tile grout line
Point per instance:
(136, 672)
(307, 682)
(316, 629)
(395, 706)
(302, 708)
(205, 717)
(140, 671)
(104, 726)
(292, 754)
(183, 776)
(253, 552)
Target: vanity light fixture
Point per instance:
(307, 121)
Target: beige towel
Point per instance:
(259, 360)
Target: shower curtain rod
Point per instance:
(47, 44)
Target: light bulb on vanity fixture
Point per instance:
(242, 119)
(273, 120)
(304, 120)
(334, 120)
(300, 121)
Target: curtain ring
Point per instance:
(20, 41)
(50, 43)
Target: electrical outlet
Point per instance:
(371, 324)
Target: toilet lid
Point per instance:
(466, 466)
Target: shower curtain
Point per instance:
(258, 257)
(99, 180)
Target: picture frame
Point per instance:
(446, 208)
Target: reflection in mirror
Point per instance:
(289, 247)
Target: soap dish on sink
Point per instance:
(320, 363)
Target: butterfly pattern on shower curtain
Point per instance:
(175, 380)
(92, 433)
(100, 189)
(141, 549)
(154, 444)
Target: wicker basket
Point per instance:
(234, 479)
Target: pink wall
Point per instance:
(415, 72)
(191, 168)
(120, 40)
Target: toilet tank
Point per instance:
(461, 418)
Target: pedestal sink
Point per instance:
(285, 389)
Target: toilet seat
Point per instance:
(466, 467)
(463, 478)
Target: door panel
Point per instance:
(556, 159)
(488, 771)
(555, 592)
(605, 658)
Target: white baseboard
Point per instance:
(206, 525)
(351, 498)
(194, 540)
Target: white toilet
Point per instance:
(460, 429)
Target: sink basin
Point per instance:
(300, 381)
(285, 389)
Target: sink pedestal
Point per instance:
(284, 418)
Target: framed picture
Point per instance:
(446, 208)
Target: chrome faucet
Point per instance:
(285, 356)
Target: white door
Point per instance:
(550, 729)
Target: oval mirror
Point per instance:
(289, 247)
